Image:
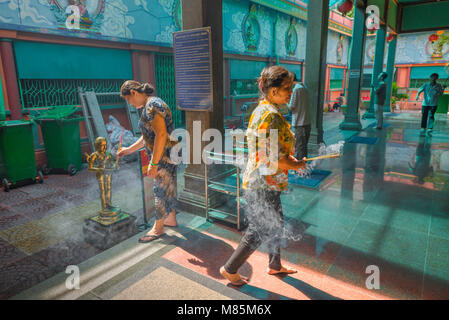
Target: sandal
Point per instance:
(149, 237)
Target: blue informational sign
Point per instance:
(193, 69)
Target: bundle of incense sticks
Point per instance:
(119, 147)
(326, 156)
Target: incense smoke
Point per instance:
(323, 150)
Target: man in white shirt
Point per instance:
(432, 91)
(300, 107)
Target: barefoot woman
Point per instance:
(156, 125)
(263, 186)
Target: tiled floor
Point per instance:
(384, 205)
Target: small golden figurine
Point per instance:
(102, 163)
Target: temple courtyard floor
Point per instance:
(383, 206)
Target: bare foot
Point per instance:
(233, 278)
(158, 228)
(170, 221)
(281, 271)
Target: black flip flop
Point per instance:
(150, 238)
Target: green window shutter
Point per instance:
(166, 86)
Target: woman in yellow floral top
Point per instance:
(270, 147)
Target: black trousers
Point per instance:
(265, 224)
(425, 116)
(302, 135)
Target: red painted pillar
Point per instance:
(11, 83)
(327, 86)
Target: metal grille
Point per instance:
(165, 84)
(418, 83)
(42, 93)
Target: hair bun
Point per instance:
(147, 88)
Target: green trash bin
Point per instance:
(443, 104)
(61, 132)
(17, 159)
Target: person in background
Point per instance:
(379, 99)
(341, 100)
(432, 91)
(299, 105)
(266, 175)
(336, 106)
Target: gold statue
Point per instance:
(102, 163)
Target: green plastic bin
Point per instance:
(61, 132)
(17, 159)
(443, 104)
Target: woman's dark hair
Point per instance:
(273, 77)
(129, 85)
(435, 75)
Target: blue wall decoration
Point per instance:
(84, 15)
(251, 29)
(291, 38)
(177, 15)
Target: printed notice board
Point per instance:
(193, 69)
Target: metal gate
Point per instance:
(165, 84)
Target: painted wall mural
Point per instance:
(337, 48)
(251, 29)
(247, 27)
(423, 47)
(438, 44)
(291, 38)
(78, 14)
(148, 21)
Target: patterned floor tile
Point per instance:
(9, 199)
(34, 208)
(10, 219)
(38, 242)
(39, 190)
(9, 253)
(70, 251)
(63, 200)
(23, 231)
(22, 274)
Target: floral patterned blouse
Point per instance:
(257, 175)
(153, 106)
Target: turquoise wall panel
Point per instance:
(55, 61)
(295, 68)
(425, 72)
(244, 69)
(336, 74)
(422, 16)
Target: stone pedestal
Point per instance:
(103, 234)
